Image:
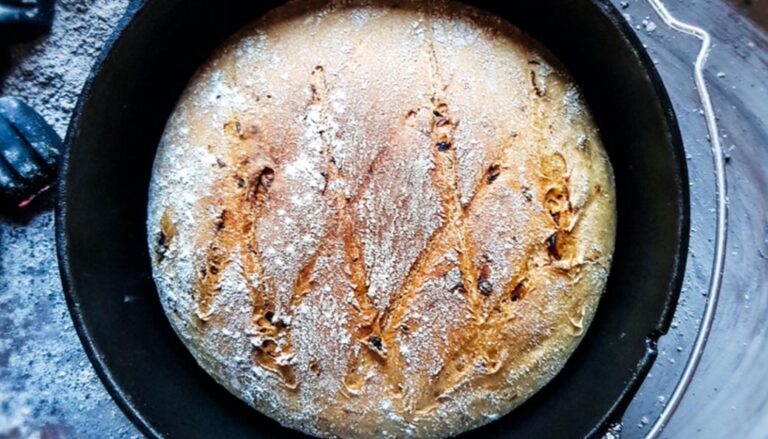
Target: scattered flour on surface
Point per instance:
(47, 385)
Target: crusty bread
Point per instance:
(381, 218)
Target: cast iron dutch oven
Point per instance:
(103, 197)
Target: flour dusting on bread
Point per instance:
(389, 218)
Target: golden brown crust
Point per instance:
(381, 217)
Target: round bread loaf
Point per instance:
(381, 218)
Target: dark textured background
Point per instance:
(757, 10)
(49, 390)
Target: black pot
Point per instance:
(103, 197)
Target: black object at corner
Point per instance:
(29, 151)
(23, 20)
(101, 214)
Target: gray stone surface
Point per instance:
(48, 388)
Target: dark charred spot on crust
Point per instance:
(493, 173)
(527, 194)
(598, 189)
(220, 163)
(215, 259)
(485, 286)
(234, 128)
(316, 84)
(441, 119)
(411, 113)
(405, 329)
(162, 240)
(534, 62)
(534, 83)
(269, 315)
(162, 245)
(165, 235)
(459, 288)
(519, 291)
(557, 201)
(266, 178)
(221, 221)
(314, 367)
(260, 185)
(240, 182)
(484, 272)
(553, 248)
(375, 342)
(325, 182)
(443, 146)
(583, 144)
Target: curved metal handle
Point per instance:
(722, 214)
